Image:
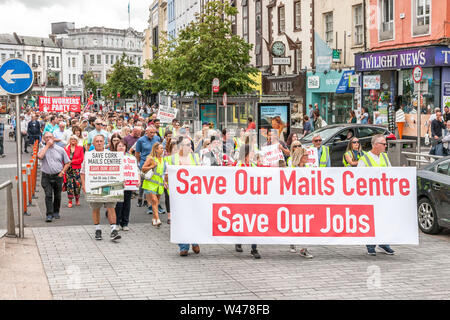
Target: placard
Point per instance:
(166, 114)
(372, 82)
(271, 155)
(104, 176)
(131, 173)
(59, 104)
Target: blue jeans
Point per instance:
(185, 246)
(373, 246)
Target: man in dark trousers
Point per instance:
(437, 125)
(34, 130)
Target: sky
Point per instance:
(34, 17)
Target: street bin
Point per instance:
(395, 149)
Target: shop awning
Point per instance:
(343, 86)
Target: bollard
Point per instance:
(32, 176)
(24, 206)
(29, 184)
(24, 188)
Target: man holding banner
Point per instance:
(376, 158)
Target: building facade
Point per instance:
(102, 47)
(403, 35)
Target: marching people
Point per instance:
(54, 165)
(72, 178)
(323, 151)
(377, 157)
(34, 130)
(353, 153)
(99, 144)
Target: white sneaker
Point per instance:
(293, 250)
(125, 228)
(305, 254)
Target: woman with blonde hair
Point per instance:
(279, 125)
(154, 187)
(353, 153)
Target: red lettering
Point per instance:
(344, 180)
(242, 173)
(285, 184)
(221, 186)
(184, 182)
(404, 187)
(328, 182)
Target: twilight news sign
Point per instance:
(323, 206)
(403, 59)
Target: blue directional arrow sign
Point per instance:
(16, 76)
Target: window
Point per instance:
(365, 132)
(387, 20)
(298, 58)
(99, 59)
(84, 59)
(258, 33)
(57, 62)
(281, 20)
(358, 37)
(444, 168)
(328, 18)
(39, 60)
(106, 59)
(33, 58)
(69, 80)
(422, 16)
(245, 20)
(74, 79)
(92, 59)
(297, 15)
(3, 57)
(74, 62)
(68, 61)
(28, 58)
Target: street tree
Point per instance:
(125, 78)
(205, 50)
(90, 85)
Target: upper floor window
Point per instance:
(421, 17)
(387, 20)
(328, 18)
(245, 20)
(358, 28)
(281, 20)
(297, 15)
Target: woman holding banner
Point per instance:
(186, 157)
(72, 178)
(353, 153)
(154, 187)
(299, 159)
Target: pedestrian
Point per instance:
(72, 178)
(144, 147)
(446, 114)
(364, 116)
(58, 134)
(292, 138)
(160, 131)
(154, 186)
(307, 127)
(54, 166)
(446, 140)
(24, 131)
(34, 130)
(133, 137)
(247, 159)
(251, 125)
(99, 124)
(123, 208)
(213, 155)
(99, 146)
(185, 157)
(353, 153)
(376, 158)
(52, 125)
(2, 135)
(322, 151)
(318, 122)
(352, 117)
(115, 139)
(437, 127)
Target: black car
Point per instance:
(337, 137)
(433, 196)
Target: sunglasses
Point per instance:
(317, 140)
(297, 146)
(355, 142)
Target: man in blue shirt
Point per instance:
(97, 131)
(143, 148)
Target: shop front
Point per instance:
(332, 94)
(386, 77)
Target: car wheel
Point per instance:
(428, 220)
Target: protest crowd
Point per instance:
(149, 147)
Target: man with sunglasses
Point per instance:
(99, 130)
(376, 157)
(322, 151)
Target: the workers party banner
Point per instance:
(323, 206)
(60, 104)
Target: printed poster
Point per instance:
(104, 176)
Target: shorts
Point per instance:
(99, 205)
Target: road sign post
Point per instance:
(417, 77)
(16, 78)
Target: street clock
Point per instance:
(278, 49)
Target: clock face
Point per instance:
(278, 49)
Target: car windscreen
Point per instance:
(325, 133)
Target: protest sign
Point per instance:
(271, 155)
(166, 114)
(326, 206)
(131, 173)
(313, 157)
(60, 104)
(104, 176)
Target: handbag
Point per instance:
(427, 139)
(148, 175)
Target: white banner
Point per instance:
(313, 157)
(166, 114)
(327, 206)
(271, 155)
(104, 176)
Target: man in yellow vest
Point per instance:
(322, 151)
(376, 158)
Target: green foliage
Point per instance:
(126, 79)
(205, 50)
(90, 84)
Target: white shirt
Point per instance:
(24, 126)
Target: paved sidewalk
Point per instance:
(22, 275)
(144, 265)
